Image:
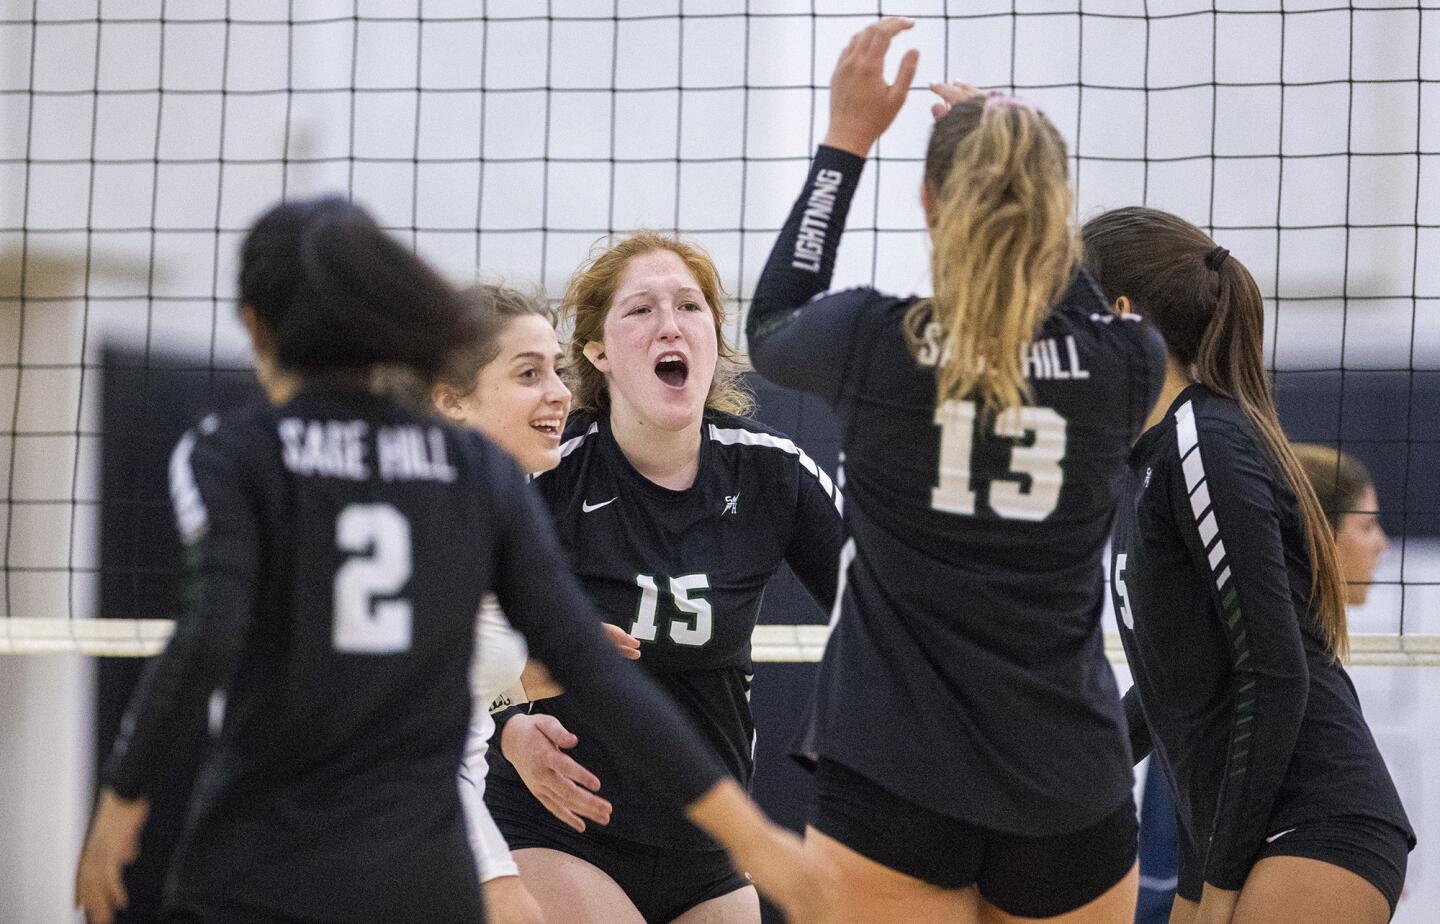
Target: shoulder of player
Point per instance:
(746, 434)
(240, 434)
(867, 301)
(1217, 424)
(759, 444)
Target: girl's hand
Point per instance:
(536, 745)
(112, 844)
(862, 104)
(950, 94)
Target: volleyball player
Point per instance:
(676, 510)
(338, 542)
(1347, 496)
(505, 382)
(972, 758)
(1232, 611)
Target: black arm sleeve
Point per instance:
(543, 601)
(1140, 743)
(1250, 585)
(814, 550)
(219, 525)
(807, 348)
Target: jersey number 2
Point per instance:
(1030, 490)
(368, 617)
(695, 631)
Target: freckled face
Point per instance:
(519, 400)
(1359, 543)
(660, 344)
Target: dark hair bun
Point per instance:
(340, 294)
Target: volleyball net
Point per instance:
(505, 138)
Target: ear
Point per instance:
(447, 402)
(262, 341)
(595, 352)
(1123, 306)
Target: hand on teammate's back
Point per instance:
(862, 104)
(625, 643)
(534, 744)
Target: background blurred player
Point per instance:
(972, 759)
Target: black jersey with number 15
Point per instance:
(969, 637)
(684, 572)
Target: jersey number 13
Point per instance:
(1030, 490)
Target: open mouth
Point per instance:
(672, 370)
(549, 426)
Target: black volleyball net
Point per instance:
(138, 140)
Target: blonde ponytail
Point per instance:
(1004, 249)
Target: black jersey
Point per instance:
(967, 671)
(338, 547)
(1259, 728)
(683, 572)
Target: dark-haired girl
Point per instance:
(339, 539)
(1232, 611)
(971, 752)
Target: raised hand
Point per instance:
(862, 104)
(950, 94)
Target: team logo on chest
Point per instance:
(731, 500)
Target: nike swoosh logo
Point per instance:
(1275, 837)
(586, 506)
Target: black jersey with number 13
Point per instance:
(969, 637)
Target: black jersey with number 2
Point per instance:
(1259, 727)
(967, 670)
(684, 572)
(338, 547)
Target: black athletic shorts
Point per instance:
(1035, 877)
(661, 882)
(226, 914)
(1372, 849)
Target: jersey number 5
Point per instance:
(694, 631)
(1030, 490)
(368, 618)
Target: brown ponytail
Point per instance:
(1004, 250)
(1208, 307)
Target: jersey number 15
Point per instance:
(1030, 490)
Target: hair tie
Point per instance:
(997, 100)
(1216, 257)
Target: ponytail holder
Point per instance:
(1215, 258)
(997, 100)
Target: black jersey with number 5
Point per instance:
(337, 548)
(1259, 727)
(969, 639)
(684, 572)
